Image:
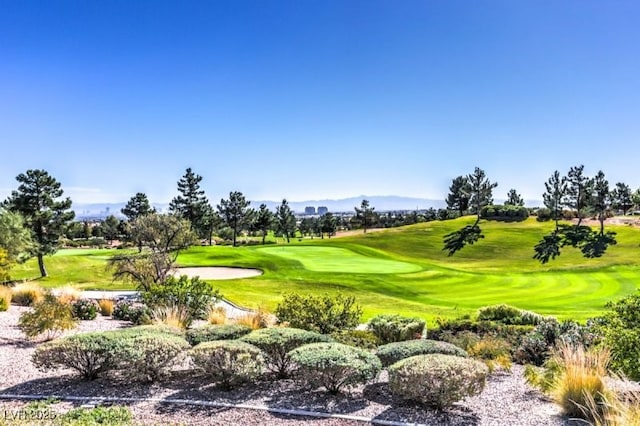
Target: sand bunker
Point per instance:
(218, 272)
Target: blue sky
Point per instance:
(316, 99)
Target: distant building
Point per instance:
(310, 210)
(322, 210)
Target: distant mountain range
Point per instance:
(379, 202)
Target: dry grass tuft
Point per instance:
(5, 297)
(217, 315)
(69, 294)
(260, 318)
(106, 307)
(173, 316)
(27, 294)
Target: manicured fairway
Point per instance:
(333, 259)
(402, 270)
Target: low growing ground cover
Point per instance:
(403, 270)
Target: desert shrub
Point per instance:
(544, 214)
(276, 343)
(191, 294)
(504, 212)
(5, 298)
(437, 380)
(89, 354)
(394, 352)
(97, 416)
(208, 333)
(334, 365)
(85, 309)
(49, 317)
(507, 314)
(490, 348)
(228, 362)
(620, 331)
(536, 346)
(171, 315)
(462, 339)
(69, 294)
(106, 307)
(363, 339)
(27, 294)
(322, 314)
(217, 315)
(148, 356)
(390, 328)
(136, 313)
(157, 328)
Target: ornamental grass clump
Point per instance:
(69, 294)
(228, 362)
(209, 333)
(276, 343)
(27, 294)
(106, 307)
(396, 351)
(334, 366)
(5, 298)
(437, 380)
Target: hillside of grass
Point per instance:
(403, 270)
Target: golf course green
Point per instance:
(401, 270)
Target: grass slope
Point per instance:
(404, 270)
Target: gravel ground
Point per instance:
(506, 400)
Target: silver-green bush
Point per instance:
(276, 343)
(437, 380)
(211, 332)
(390, 328)
(334, 365)
(228, 362)
(394, 352)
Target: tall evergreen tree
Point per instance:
(365, 214)
(579, 189)
(514, 199)
(556, 189)
(285, 220)
(621, 197)
(234, 212)
(137, 206)
(264, 221)
(459, 195)
(38, 200)
(191, 203)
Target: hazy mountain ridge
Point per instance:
(379, 202)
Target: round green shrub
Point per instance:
(148, 356)
(211, 332)
(156, 328)
(394, 352)
(85, 309)
(437, 380)
(334, 365)
(277, 342)
(363, 339)
(136, 313)
(228, 362)
(89, 354)
(507, 314)
(390, 328)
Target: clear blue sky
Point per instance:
(316, 99)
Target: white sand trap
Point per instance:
(218, 272)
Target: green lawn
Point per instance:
(403, 270)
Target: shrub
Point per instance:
(504, 212)
(208, 333)
(191, 294)
(390, 328)
(358, 338)
(334, 365)
(157, 328)
(437, 380)
(507, 314)
(136, 313)
(97, 416)
(27, 294)
(69, 294)
(49, 317)
(5, 298)
(323, 314)
(148, 356)
(462, 339)
(490, 348)
(217, 315)
(544, 214)
(396, 351)
(106, 307)
(228, 362)
(620, 331)
(276, 343)
(85, 309)
(89, 354)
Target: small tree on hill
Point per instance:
(234, 212)
(365, 214)
(622, 198)
(459, 195)
(137, 206)
(285, 221)
(514, 199)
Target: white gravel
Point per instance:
(506, 400)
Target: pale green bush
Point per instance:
(228, 362)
